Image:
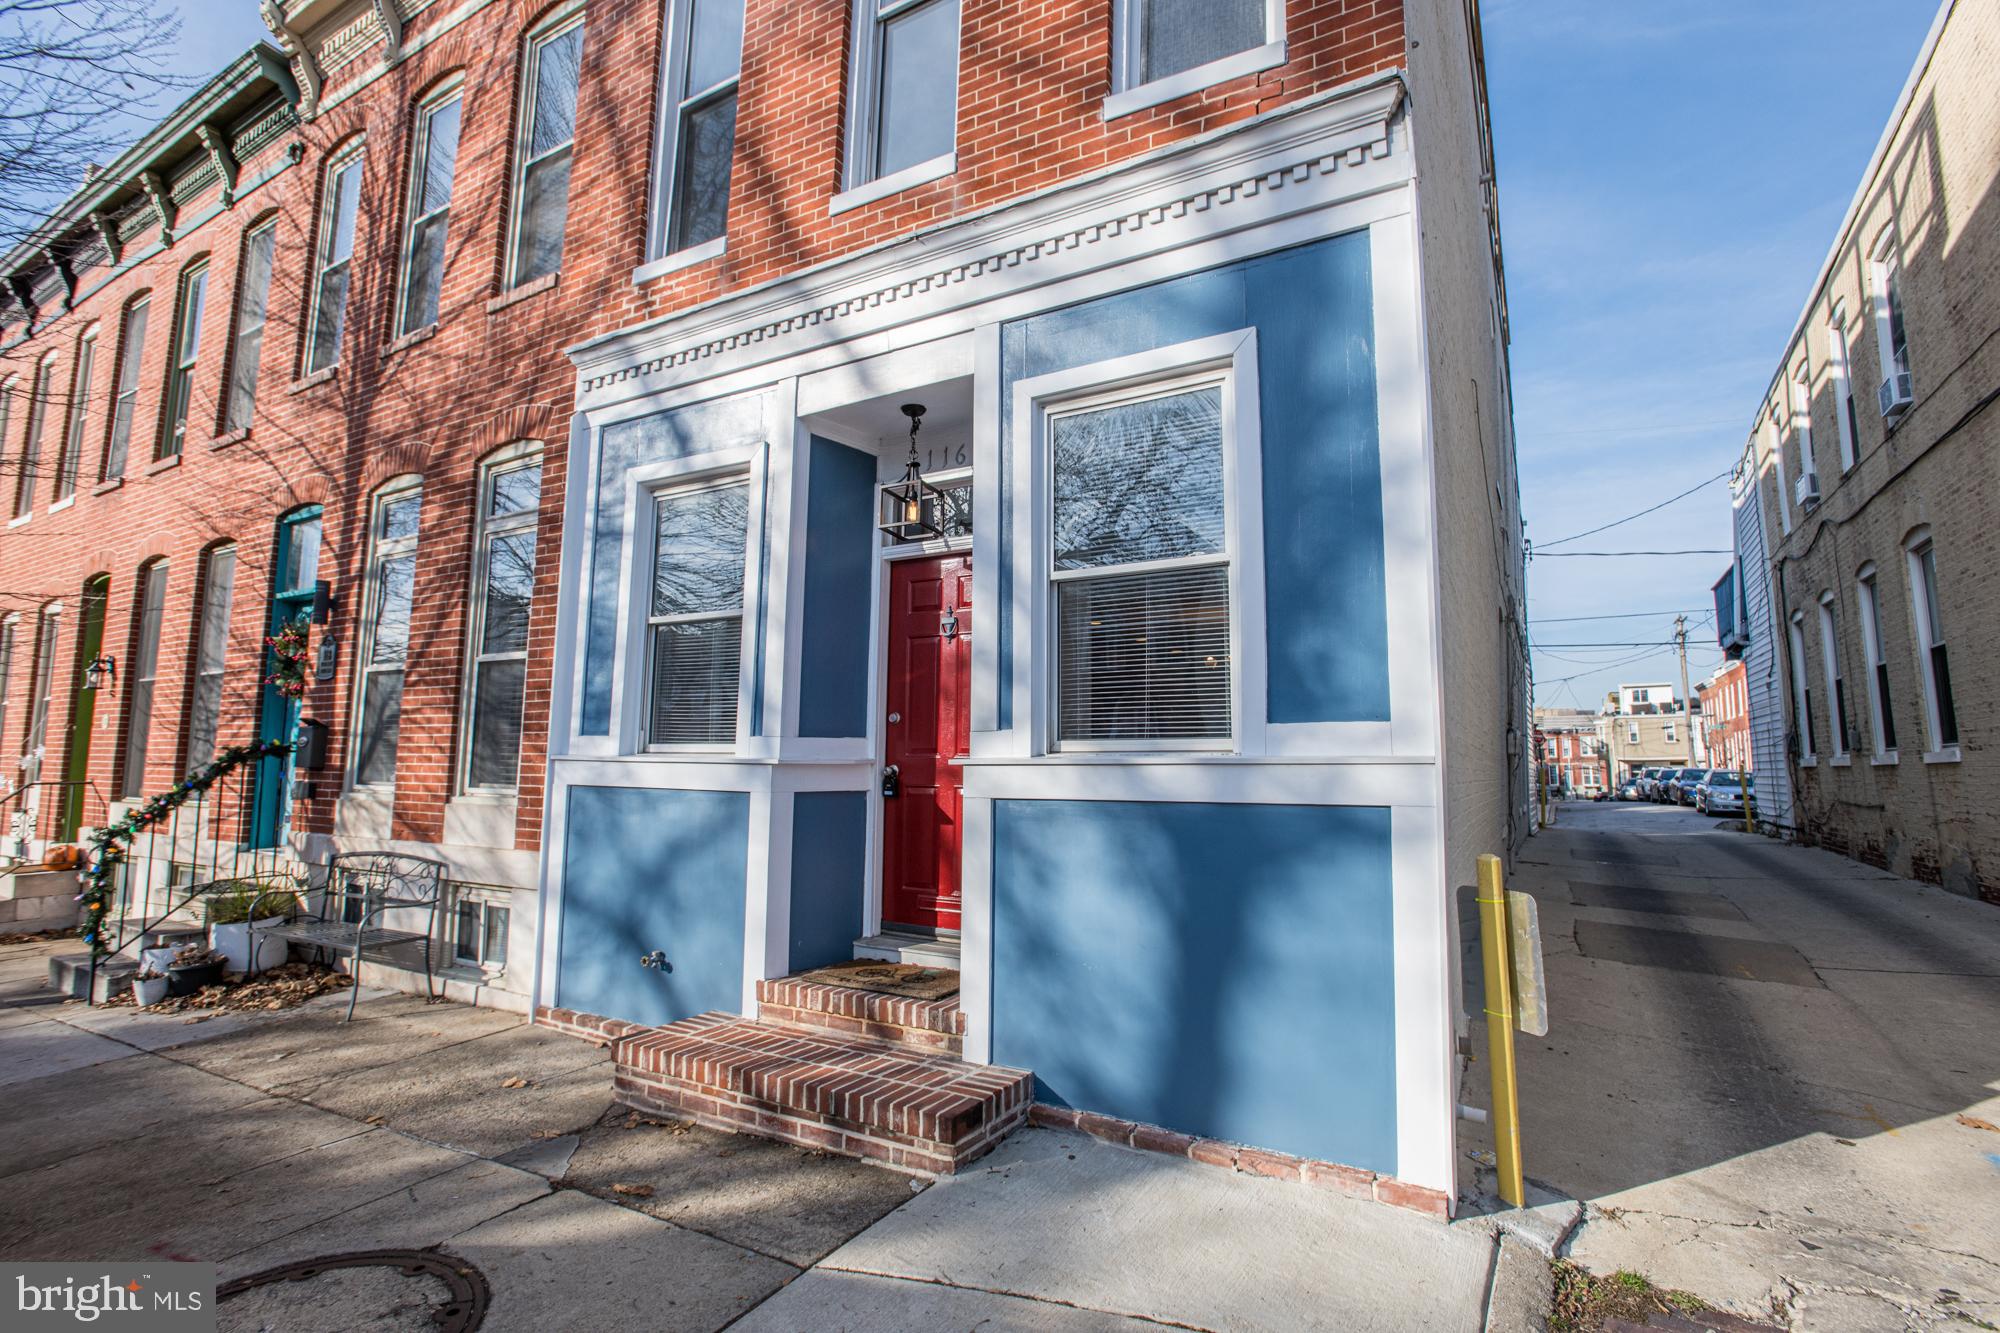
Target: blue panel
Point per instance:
(645, 870)
(1313, 309)
(726, 423)
(1223, 970)
(829, 870)
(1328, 636)
(840, 561)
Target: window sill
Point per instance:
(1254, 61)
(1808, 761)
(894, 183)
(63, 503)
(232, 437)
(1948, 755)
(18, 520)
(108, 485)
(1841, 761)
(1887, 757)
(546, 283)
(680, 259)
(424, 334)
(314, 380)
(159, 465)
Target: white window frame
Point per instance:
(41, 693)
(1801, 691)
(674, 108)
(246, 338)
(452, 90)
(1667, 731)
(554, 27)
(202, 666)
(1922, 597)
(1885, 274)
(1868, 602)
(69, 463)
(148, 637)
(860, 184)
(487, 901)
(380, 552)
(745, 619)
(1801, 416)
(125, 386)
(1129, 95)
(1836, 681)
(1228, 360)
(1632, 733)
(1840, 375)
(1784, 478)
(41, 394)
(352, 154)
(514, 458)
(183, 359)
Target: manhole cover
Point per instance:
(385, 1291)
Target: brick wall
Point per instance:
(492, 372)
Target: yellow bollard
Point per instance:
(1494, 937)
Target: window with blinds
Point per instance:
(1141, 571)
(695, 619)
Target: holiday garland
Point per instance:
(107, 845)
(288, 657)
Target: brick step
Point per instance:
(922, 1113)
(925, 1025)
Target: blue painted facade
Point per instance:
(829, 876)
(1313, 308)
(1223, 970)
(653, 869)
(840, 564)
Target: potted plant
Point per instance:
(148, 987)
(235, 913)
(195, 966)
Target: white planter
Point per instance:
(148, 991)
(232, 941)
(159, 959)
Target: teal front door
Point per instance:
(297, 567)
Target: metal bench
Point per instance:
(360, 888)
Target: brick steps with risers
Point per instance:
(924, 1025)
(925, 1113)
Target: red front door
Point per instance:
(928, 724)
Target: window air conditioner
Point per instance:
(1896, 395)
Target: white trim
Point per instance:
(1254, 61)
(1801, 712)
(1829, 643)
(1868, 607)
(1948, 755)
(975, 938)
(680, 259)
(1425, 1019)
(353, 153)
(1840, 377)
(944, 164)
(1923, 596)
(451, 90)
(864, 96)
(514, 457)
(405, 485)
(552, 28)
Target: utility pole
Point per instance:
(1687, 700)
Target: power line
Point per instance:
(1616, 615)
(1641, 514)
(1695, 550)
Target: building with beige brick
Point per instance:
(1869, 476)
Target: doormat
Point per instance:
(908, 980)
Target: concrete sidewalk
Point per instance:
(1771, 1071)
(263, 1139)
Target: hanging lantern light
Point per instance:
(913, 505)
(97, 669)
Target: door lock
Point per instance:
(892, 781)
(657, 960)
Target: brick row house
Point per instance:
(809, 482)
(1868, 473)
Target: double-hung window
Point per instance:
(211, 655)
(1802, 440)
(1892, 343)
(548, 140)
(31, 447)
(392, 581)
(1836, 683)
(333, 264)
(186, 354)
(1801, 691)
(503, 590)
(698, 127)
(433, 161)
(41, 694)
(1935, 664)
(125, 403)
(1163, 49)
(1841, 375)
(253, 299)
(903, 100)
(1869, 602)
(144, 674)
(695, 617)
(1141, 571)
(70, 464)
(7, 628)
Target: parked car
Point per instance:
(1680, 784)
(1723, 793)
(1629, 790)
(1656, 783)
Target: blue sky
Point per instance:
(1670, 179)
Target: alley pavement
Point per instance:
(266, 1139)
(1771, 1071)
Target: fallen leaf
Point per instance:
(375, 1120)
(515, 1082)
(547, 1134)
(1974, 1122)
(633, 1191)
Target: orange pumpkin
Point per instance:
(63, 857)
